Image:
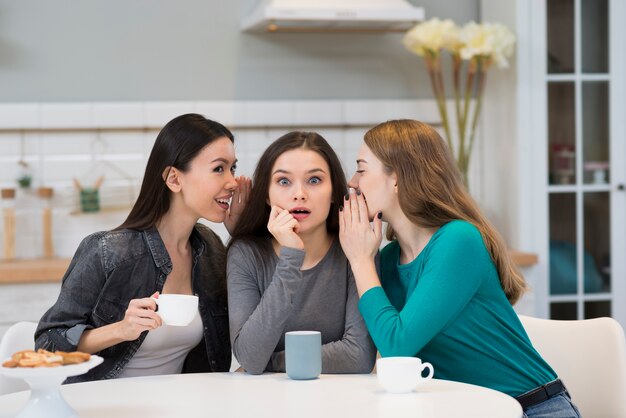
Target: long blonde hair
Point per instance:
(431, 192)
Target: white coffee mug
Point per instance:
(402, 374)
(177, 310)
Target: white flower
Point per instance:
(490, 40)
(504, 44)
(432, 36)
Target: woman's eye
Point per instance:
(360, 171)
(315, 180)
(283, 181)
(219, 169)
(233, 169)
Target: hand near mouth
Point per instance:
(238, 202)
(284, 227)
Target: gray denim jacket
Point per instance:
(111, 268)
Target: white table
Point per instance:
(273, 395)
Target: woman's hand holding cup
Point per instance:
(140, 316)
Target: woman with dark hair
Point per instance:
(286, 270)
(447, 282)
(105, 307)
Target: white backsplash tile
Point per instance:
(118, 115)
(320, 113)
(222, 112)
(122, 142)
(64, 143)
(67, 115)
(362, 112)
(10, 145)
(158, 114)
(268, 113)
(20, 115)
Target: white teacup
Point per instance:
(402, 374)
(177, 310)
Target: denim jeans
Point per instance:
(558, 406)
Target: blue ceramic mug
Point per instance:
(303, 354)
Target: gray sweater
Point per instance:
(269, 295)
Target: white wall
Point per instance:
(151, 50)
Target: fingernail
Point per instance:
(340, 208)
(358, 192)
(380, 215)
(347, 196)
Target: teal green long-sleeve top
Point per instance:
(447, 307)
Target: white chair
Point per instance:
(20, 336)
(589, 356)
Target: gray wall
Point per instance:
(138, 50)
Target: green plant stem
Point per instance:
(436, 80)
(456, 82)
(482, 80)
(444, 110)
(469, 87)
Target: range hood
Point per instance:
(333, 16)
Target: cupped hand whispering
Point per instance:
(238, 202)
(359, 239)
(284, 227)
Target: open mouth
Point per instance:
(223, 202)
(300, 213)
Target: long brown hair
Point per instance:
(431, 192)
(252, 223)
(179, 142)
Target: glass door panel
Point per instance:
(562, 132)
(595, 116)
(560, 36)
(584, 142)
(597, 250)
(595, 36)
(563, 310)
(597, 309)
(563, 254)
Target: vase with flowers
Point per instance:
(473, 50)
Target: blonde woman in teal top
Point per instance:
(447, 282)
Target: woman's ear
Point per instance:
(394, 180)
(171, 176)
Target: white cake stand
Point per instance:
(45, 398)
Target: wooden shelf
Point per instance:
(41, 270)
(38, 270)
(522, 259)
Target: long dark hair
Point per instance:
(431, 191)
(252, 223)
(176, 145)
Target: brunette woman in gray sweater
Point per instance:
(285, 268)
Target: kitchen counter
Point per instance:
(43, 270)
(37, 270)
